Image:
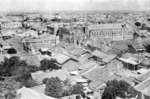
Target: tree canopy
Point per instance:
(18, 70)
(8, 89)
(115, 89)
(48, 64)
(57, 88)
(137, 23)
(54, 87)
(12, 51)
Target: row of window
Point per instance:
(122, 37)
(103, 33)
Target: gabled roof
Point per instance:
(142, 87)
(105, 48)
(93, 85)
(62, 74)
(96, 73)
(71, 65)
(87, 64)
(40, 88)
(99, 54)
(32, 60)
(61, 58)
(27, 93)
(109, 58)
(114, 65)
(38, 46)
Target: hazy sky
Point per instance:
(73, 5)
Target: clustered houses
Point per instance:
(88, 53)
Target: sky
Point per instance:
(73, 5)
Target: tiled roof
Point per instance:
(71, 65)
(27, 93)
(61, 74)
(99, 54)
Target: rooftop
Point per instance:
(105, 26)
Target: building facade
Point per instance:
(116, 32)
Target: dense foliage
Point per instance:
(48, 64)
(12, 51)
(115, 89)
(17, 70)
(8, 89)
(57, 88)
(54, 87)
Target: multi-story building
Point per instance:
(11, 25)
(116, 31)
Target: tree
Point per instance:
(77, 89)
(12, 51)
(8, 89)
(48, 64)
(33, 68)
(8, 65)
(137, 24)
(115, 89)
(67, 88)
(45, 80)
(22, 74)
(54, 87)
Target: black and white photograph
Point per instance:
(74, 49)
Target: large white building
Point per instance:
(116, 31)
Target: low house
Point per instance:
(123, 78)
(143, 89)
(61, 58)
(71, 65)
(114, 65)
(143, 77)
(115, 51)
(27, 93)
(39, 46)
(93, 45)
(105, 48)
(87, 66)
(99, 55)
(76, 51)
(39, 88)
(96, 73)
(61, 74)
(129, 63)
(109, 58)
(30, 58)
(136, 47)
